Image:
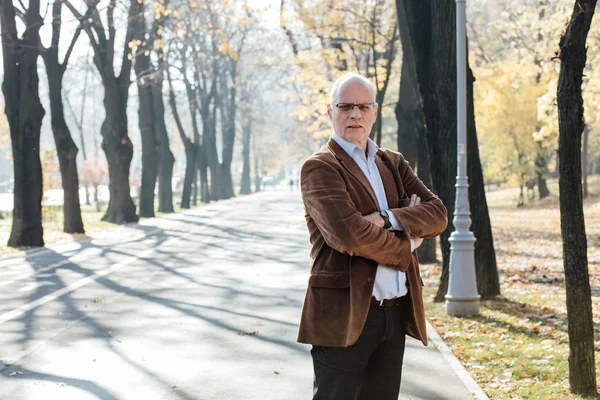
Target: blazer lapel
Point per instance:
(389, 184)
(350, 165)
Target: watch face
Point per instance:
(386, 219)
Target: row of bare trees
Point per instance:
(195, 46)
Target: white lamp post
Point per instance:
(462, 298)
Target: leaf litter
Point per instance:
(518, 347)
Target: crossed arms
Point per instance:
(328, 203)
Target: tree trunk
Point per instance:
(209, 143)
(257, 179)
(200, 143)
(412, 141)
(190, 168)
(245, 184)
(431, 27)
(226, 183)
(79, 123)
(377, 128)
(190, 148)
(96, 198)
(24, 113)
(203, 168)
(407, 109)
(584, 160)
(486, 268)
(521, 201)
(167, 160)
(229, 108)
(115, 140)
(389, 55)
(257, 184)
(65, 146)
(541, 161)
(156, 155)
(119, 152)
(150, 155)
(541, 171)
(87, 193)
(582, 373)
(195, 186)
(427, 250)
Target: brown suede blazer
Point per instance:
(346, 248)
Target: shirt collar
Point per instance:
(350, 148)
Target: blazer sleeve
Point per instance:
(426, 220)
(328, 204)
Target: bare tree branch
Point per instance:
(22, 6)
(71, 46)
(74, 11)
(20, 14)
(9, 32)
(84, 20)
(56, 23)
(288, 32)
(45, 12)
(135, 8)
(110, 17)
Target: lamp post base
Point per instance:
(462, 297)
(460, 307)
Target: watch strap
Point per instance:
(386, 219)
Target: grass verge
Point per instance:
(518, 347)
(514, 349)
(52, 220)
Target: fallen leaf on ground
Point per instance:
(505, 377)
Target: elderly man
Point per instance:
(367, 213)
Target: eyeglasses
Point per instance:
(348, 107)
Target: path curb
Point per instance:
(455, 364)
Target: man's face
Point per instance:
(353, 125)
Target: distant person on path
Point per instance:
(291, 185)
(366, 213)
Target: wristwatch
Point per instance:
(386, 219)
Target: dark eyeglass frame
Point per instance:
(349, 107)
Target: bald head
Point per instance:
(350, 78)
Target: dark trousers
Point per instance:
(371, 369)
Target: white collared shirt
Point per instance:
(389, 283)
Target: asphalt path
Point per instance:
(199, 305)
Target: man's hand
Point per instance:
(415, 201)
(375, 219)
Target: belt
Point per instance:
(386, 302)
